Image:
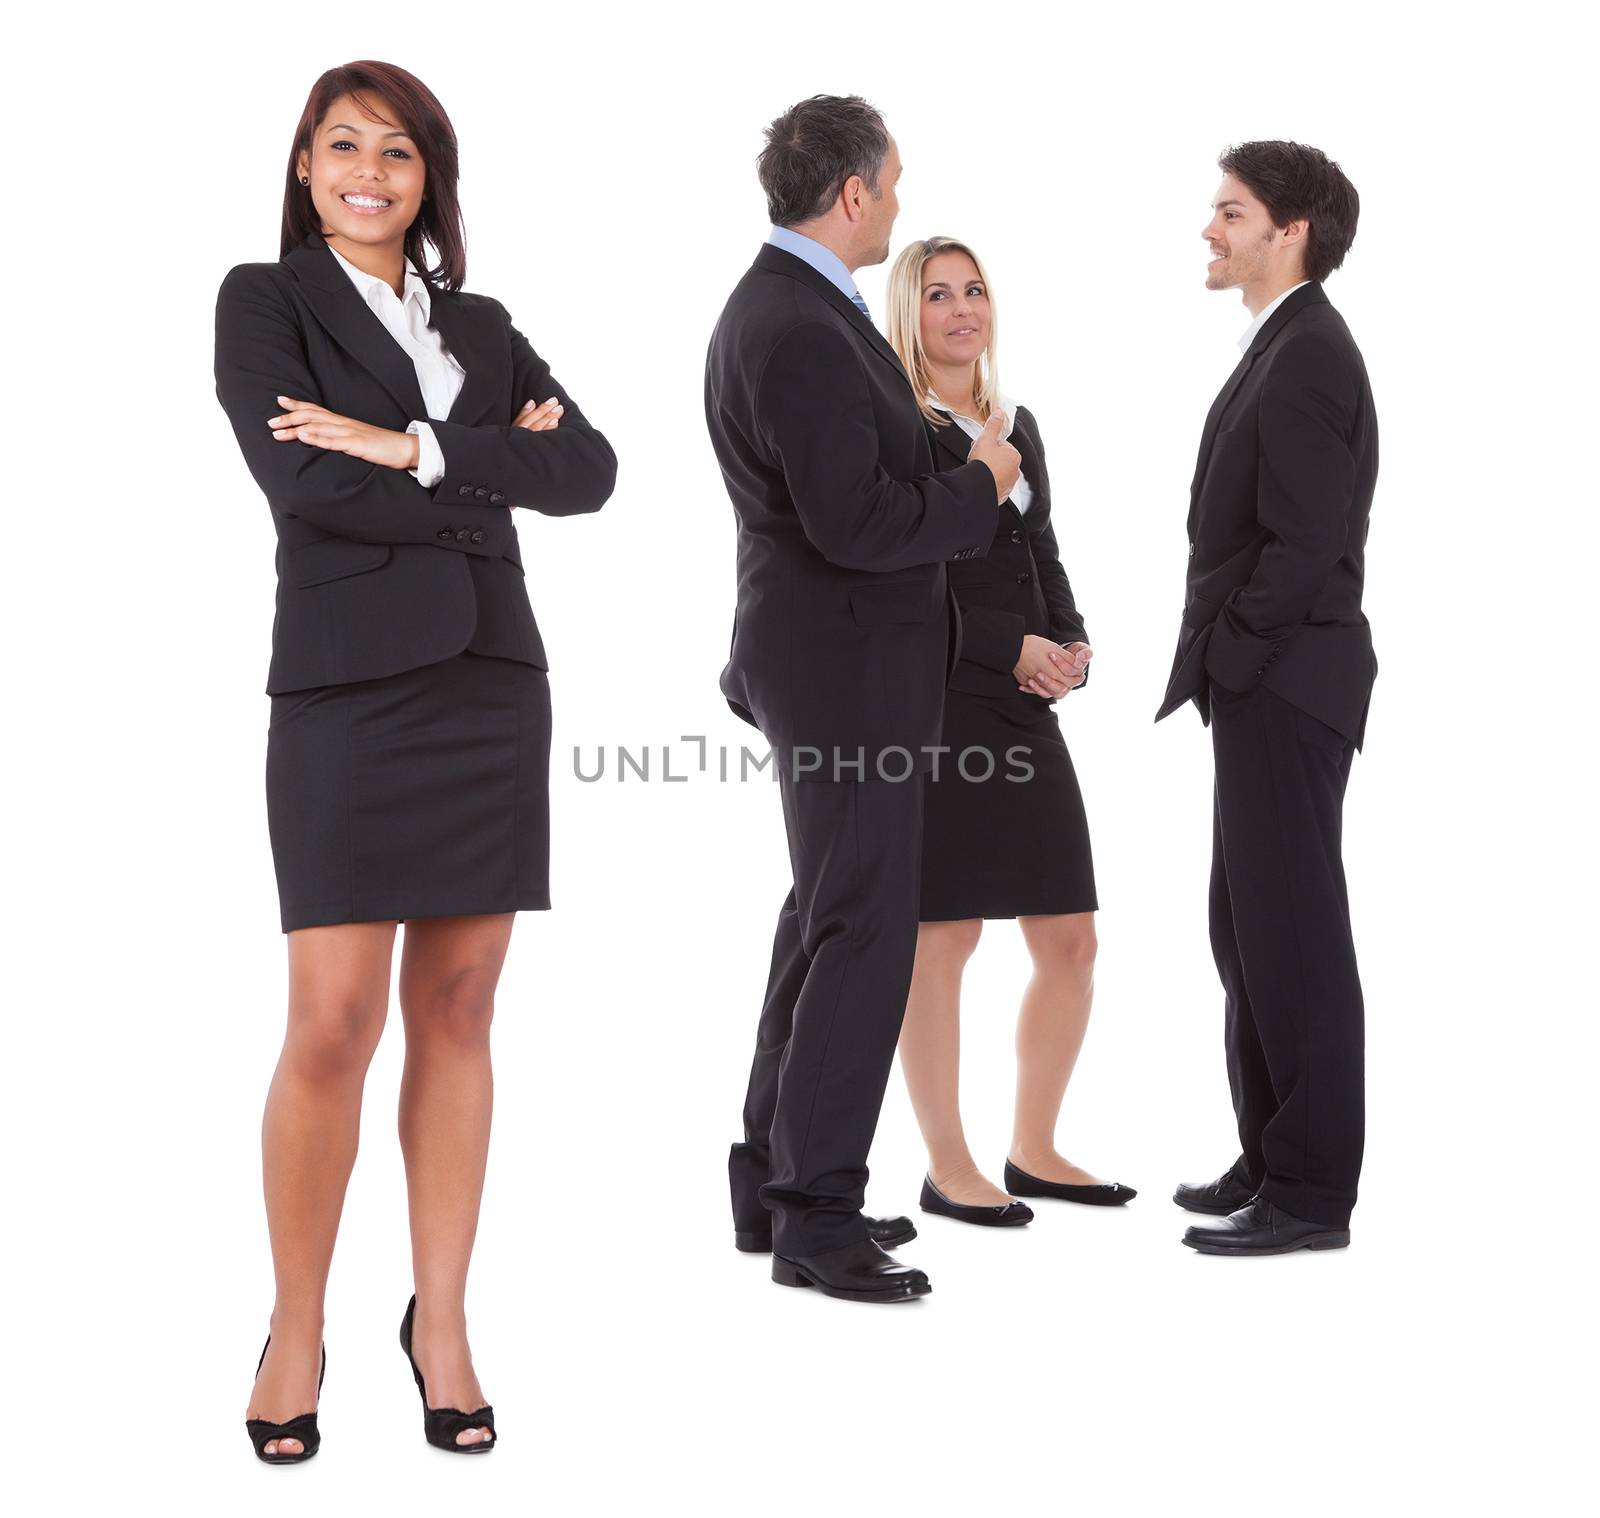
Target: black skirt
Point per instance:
(997, 840)
(421, 794)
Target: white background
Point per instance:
(1088, 1363)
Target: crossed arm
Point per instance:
(351, 478)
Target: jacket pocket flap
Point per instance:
(333, 559)
(876, 605)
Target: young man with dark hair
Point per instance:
(1276, 654)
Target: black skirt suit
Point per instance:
(408, 749)
(1004, 829)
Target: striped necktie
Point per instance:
(861, 305)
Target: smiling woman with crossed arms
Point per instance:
(393, 422)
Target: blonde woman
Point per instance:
(1005, 834)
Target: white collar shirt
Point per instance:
(439, 377)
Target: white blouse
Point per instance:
(1022, 491)
(439, 376)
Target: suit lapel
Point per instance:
(472, 335)
(1306, 295)
(356, 327)
(953, 442)
(779, 262)
(1023, 441)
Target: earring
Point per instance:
(304, 180)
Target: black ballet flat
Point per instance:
(1003, 1215)
(440, 1425)
(1113, 1194)
(303, 1427)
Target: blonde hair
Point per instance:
(905, 326)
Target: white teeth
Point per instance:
(363, 200)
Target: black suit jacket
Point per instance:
(1019, 587)
(841, 630)
(376, 573)
(1278, 525)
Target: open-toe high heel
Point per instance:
(440, 1425)
(302, 1427)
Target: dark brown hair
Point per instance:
(813, 148)
(1293, 182)
(423, 119)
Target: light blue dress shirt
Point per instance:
(825, 261)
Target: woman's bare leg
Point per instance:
(449, 969)
(338, 998)
(930, 1056)
(1055, 1016)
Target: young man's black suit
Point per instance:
(841, 648)
(1277, 656)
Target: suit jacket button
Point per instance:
(1191, 550)
(443, 534)
(1024, 578)
(497, 498)
(465, 490)
(462, 536)
(481, 491)
(477, 536)
(1016, 535)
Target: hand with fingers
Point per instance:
(540, 416)
(307, 422)
(992, 449)
(1049, 670)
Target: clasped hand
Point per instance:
(1047, 669)
(307, 422)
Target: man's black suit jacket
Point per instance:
(376, 573)
(1278, 525)
(1018, 587)
(841, 630)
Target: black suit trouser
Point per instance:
(836, 995)
(1280, 934)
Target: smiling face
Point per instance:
(955, 316)
(366, 175)
(1246, 248)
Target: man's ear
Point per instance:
(851, 193)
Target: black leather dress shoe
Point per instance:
(891, 1233)
(1261, 1228)
(1005, 1215)
(857, 1273)
(1228, 1193)
(1112, 1194)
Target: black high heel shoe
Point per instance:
(440, 1425)
(302, 1427)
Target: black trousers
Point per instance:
(836, 995)
(1280, 934)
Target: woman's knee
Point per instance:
(456, 1007)
(333, 1035)
(949, 943)
(1064, 945)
